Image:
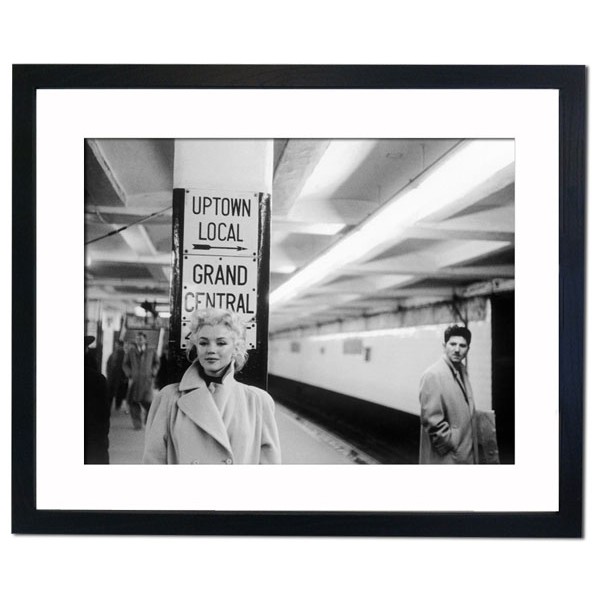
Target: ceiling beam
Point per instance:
(489, 287)
(133, 211)
(98, 153)
(118, 281)
(489, 188)
(151, 201)
(161, 274)
(137, 238)
(425, 291)
(93, 293)
(445, 273)
(316, 303)
(117, 219)
(163, 259)
(295, 166)
(467, 251)
(496, 218)
(333, 227)
(439, 232)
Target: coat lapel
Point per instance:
(198, 404)
(463, 384)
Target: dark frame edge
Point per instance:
(572, 193)
(302, 524)
(24, 514)
(567, 522)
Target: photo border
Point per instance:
(570, 81)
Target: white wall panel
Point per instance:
(391, 376)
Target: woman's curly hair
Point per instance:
(217, 316)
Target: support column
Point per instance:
(221, 244)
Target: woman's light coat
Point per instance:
(229, 423)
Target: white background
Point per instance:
(309, 32)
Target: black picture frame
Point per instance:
(567, 522)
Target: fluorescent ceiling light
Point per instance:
(284, 269)
(320, 228)
(462, 171)
(164, 315)
(325, 228)
(404, 332)
(317, 228)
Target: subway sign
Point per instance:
(219, 256)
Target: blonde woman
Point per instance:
(209, 417)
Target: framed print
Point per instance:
(349, 224)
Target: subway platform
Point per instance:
(302, 441)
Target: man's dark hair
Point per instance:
(458, 330)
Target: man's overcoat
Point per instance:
(229, 423)
(140, 368)
(448, 418)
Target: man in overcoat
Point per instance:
(140, 366)
(448, 416)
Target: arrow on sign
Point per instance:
(209, 247)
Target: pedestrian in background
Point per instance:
(140, 365)
(209, 417)
(448, 416)
(96, 411)
(117, 380)
(163, 377)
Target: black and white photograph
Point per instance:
(299, 301)
(335, 270)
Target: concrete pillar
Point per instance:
(221, 218)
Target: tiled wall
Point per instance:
(387, 370)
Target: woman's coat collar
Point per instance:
(199, 405)
(192, 379)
